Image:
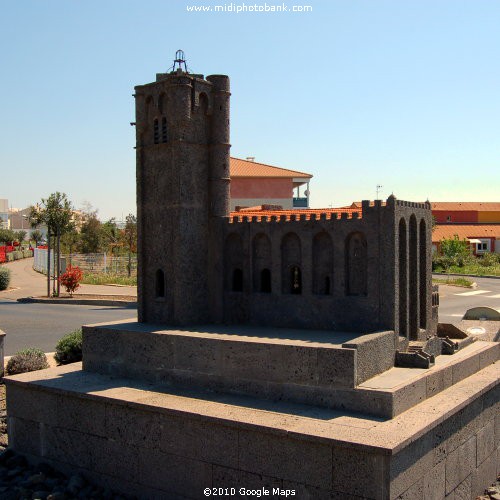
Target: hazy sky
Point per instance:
(402, 93)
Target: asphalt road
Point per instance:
(42, 325)
(454, 301)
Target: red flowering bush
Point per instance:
(71, 279)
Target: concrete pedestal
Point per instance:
(141, 439)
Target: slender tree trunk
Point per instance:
(48, 264)
(58, 263)
(54, 266)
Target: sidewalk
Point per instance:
(25, 282)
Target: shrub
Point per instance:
(69, 348)
(4, 278)
(71, 279)
(489, 259)
(27, 360)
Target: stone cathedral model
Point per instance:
(264, 356)
(364, 273)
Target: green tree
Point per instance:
(129, 238)
(453, 252)
(7, 236)
(90, 234)
(36, 236)
(21, 235)
(55, 212)
(110, 235)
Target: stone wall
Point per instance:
(152, 444)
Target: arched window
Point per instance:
(234, 263)
(291, 257)
(356, 264)
(163, 129)
(160, 284)
(403, 279)
(156, 132)
(265, 281)
(423, 274)
(237, 280)
(261, 261)
(413, 305)
(295, 280)
(322, 263)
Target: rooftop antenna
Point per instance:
(179, 62)
(379, 187)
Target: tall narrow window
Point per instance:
(322, 263)
(237, 280)
(265, 281)
(356, 264)
(156, 132)
(291, 260)
(295, 280)
(261, 263)
(163, 129)
(327, 286)
(403, 279)
(160, 283)
(423, 274)
(413, 301)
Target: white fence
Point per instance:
(92, 262)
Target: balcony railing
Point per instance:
(299, 202)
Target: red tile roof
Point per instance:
(447, 231)
(466, 206)
(247, 168)
(297, 212)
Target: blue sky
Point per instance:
(357, 92)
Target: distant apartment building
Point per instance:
(4, 213)
(254, 184)
(476, 222)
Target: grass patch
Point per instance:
(454, 281)
(474, 268)
(108, 279)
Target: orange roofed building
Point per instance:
(255, 184)
(477, 222)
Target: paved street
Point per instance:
(42, 325)
(454, 301)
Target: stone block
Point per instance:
(435, 383)
(132, 427)
(464, 490)
(294, 460)
(412, 462)
(489, 355)
(409, 396)
(173, 474)
(434, 486)
(24, 435)
(485, 442)
(89, 412)
(114, 458)
(198, 439)
(307, 492)
(484, 475)
(32, 404)
(359, 473)
(460, 463)
(66, 445)
(414, 492)
(225, 477)
(336, 367)
(466, 368)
